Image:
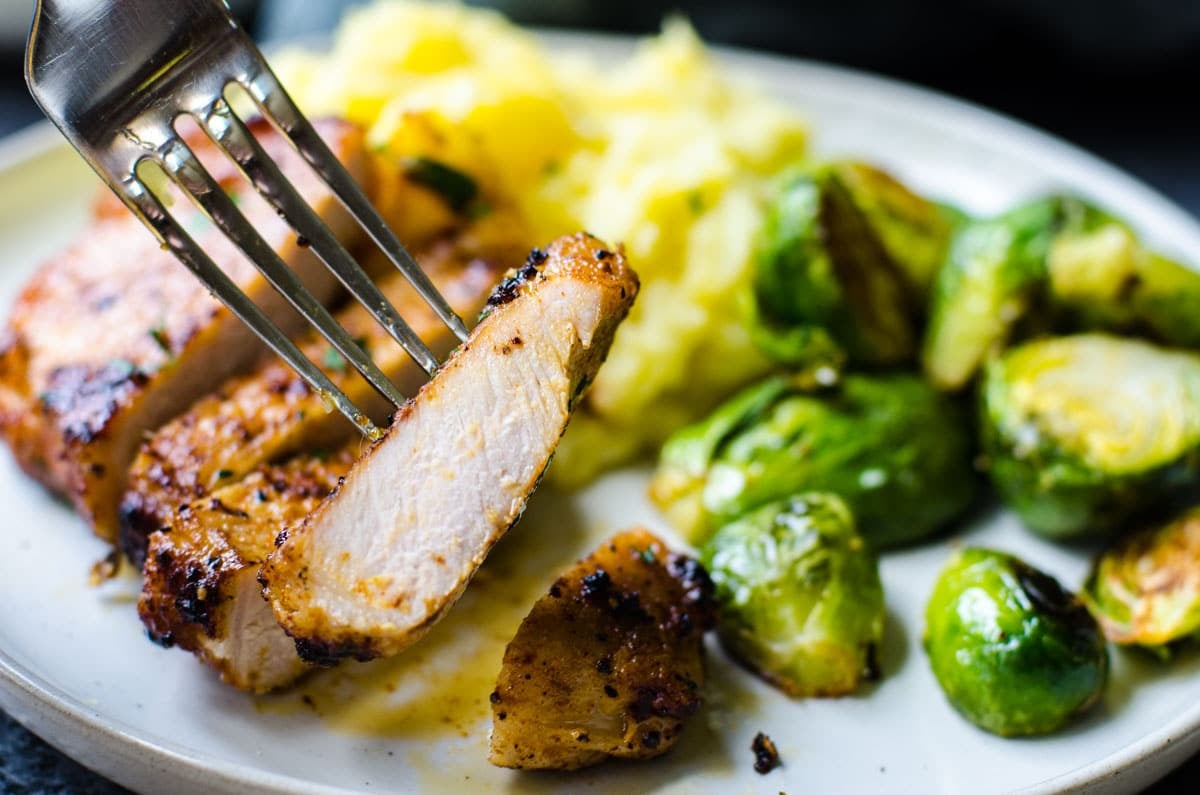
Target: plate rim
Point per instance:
(43, 707)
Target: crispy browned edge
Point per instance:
(213, 539)
(53, 428)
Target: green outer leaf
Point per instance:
(897, 451)
(796, 292)
(1167, 301)
(833, 267)
(1103, 278)
(679, 483)
(877, 321)
(692, 449)
(458, 189)
(993, 274)
(799, 594)
(1014, 653)
(791, 252)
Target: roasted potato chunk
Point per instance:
(609, 663)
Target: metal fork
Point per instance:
(115, 76)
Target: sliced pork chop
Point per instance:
(199, 585)
(113, 337)
(608, 664)
(271, 413)
(380, 561)
(214, 523)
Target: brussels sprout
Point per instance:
(799, 595)
(1082, 433)
(1013, 652)
(897, 451)
(1102, 278)
(1056, 261)
(1145, 590)
(845, 257)
(808, 351)
(914, 232)
(993, 274)
(796, 291)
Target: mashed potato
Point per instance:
(661, 152)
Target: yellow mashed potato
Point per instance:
(661, 152)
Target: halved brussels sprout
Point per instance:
(993, 274)
(1082, 433)
(1145, 590)
(799, 595)
(1102, 278)
(845, 256)
(896, 450)
(1055, 262)
(1014, 653)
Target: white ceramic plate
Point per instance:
(75, 667)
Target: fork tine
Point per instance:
(230, 132)
(147, 206)
(195, 180)
(273, 100)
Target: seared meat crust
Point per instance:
(609, 663)
(113, 337)
(199, 586)
(377, 564)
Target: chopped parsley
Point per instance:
(455, 187)
(159, 335)
(479, 210)
(334, 361)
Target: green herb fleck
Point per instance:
(479, 210)
(551, 168)
(457, 188)
(647, 555)
(224, 474)
(695, 202)
(159, 335)
(321, 455)
(334, 361)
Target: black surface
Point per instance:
(1121, 79)
(30, 767)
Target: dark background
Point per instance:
(1118, 77)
